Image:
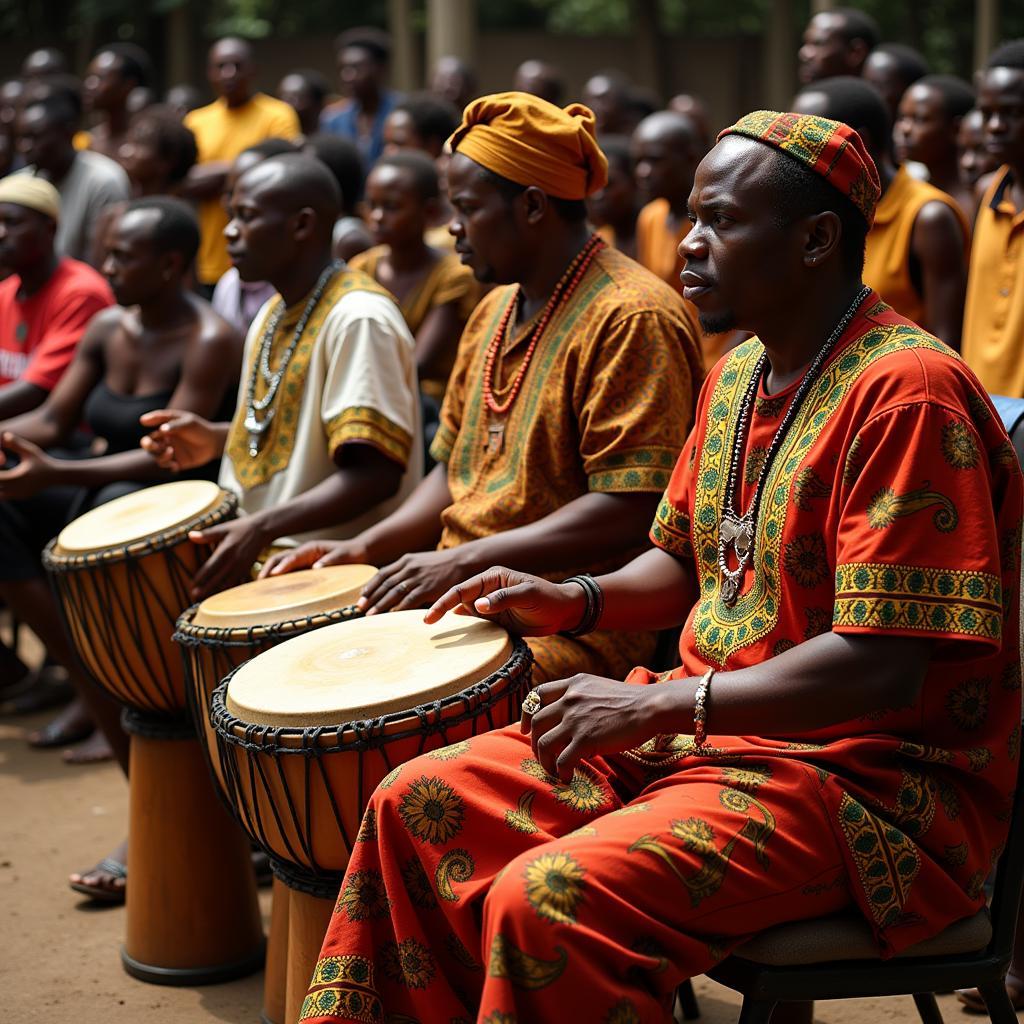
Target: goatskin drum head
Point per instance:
(138, 516)
(358, 670)
(296, 595)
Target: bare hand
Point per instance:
(521, 603)
(34, 472)
(414, 581)
(585, 716)
(236, 545)
(313, 554)
(181, 440)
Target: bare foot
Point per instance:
(107, 880)
(74, 723)
(973, 1003)
(90, 751)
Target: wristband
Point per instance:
(594, 605)
(700, 713)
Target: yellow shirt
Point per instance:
(993, 338)
(222, 132)
(605, 405)
(887, 254)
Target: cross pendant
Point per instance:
(495, 438)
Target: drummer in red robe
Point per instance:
(841, 538)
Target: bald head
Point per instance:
(666, 148)
(231, 70)
(540, 79)
(292, 182)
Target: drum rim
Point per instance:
(188, 634)
(364, 732)
(55, 562)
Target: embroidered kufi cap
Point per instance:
(830, 149)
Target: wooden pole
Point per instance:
(986, 30)
(451, 31)
(780, 50)
(404, 69)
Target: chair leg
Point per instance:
(997, 999)
(927, 1008)
(686, 999)
(756, 1011)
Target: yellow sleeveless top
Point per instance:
(887, 259)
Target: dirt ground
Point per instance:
(59, 953)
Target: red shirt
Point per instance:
(39, 335)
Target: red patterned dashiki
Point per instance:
(893, 507)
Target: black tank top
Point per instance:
(115, 417)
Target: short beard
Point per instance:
(717, 323)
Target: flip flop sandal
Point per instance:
(53, 735)
(108, 866)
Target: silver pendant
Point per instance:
(255, 428)
(730, 591)
(738, 533)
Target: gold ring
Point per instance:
(532, 703)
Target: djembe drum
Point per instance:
(224, 632)
(123, 572)
(308, 729)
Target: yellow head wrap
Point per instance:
(31, 192)
(533, 142)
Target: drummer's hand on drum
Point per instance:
(314, 554)
(236, 546)
(412, 582)
(34, 472)
(180, 440)
(586, 716)
(523, 604)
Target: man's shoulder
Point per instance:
(354, 295)
(633, 289)
(96, 167)
(75, 279)
(203, 115)
(271, 110)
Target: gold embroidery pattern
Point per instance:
(521, 818)
(648, 469)
(349, 991)
(671, 530)
(886, 506)
(276, 452)
(720, 630)
(362, 423)
(454, 866)
(952, 601)
(887, 861)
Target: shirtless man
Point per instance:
(162, 345)
(116, 71)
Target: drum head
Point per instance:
(277, 599)
(357, 670)
(138, 516)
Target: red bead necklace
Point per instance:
(563, 291)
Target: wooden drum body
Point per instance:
(223, 633)
(308, 730)
(122, 573)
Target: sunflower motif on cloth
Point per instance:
(535, 769)
(582, 792)
(432, 810)
(449, 753)
(363, 896)
(408, 962)
(754, 464)
(806, 561)
(498, 1017)
(967, 703)
(623, 1012)
(959, 448)
(554, 886)
(368, 829)
(417, 884)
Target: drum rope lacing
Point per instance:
(258, 782)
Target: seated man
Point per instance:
(850, 662)
(46, 302)
(572, 391)
(326, 436)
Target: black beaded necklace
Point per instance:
(738, 530)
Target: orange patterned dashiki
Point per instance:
(893, 507)
(447, 282)
(605, 406)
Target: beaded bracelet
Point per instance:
(700, 713)
(595, 605)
